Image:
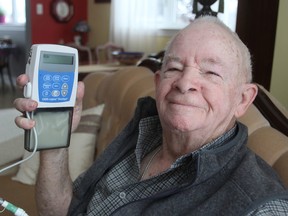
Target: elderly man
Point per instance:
(183, 154)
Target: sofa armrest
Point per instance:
(91, 82)
(272, 110)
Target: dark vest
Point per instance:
(231, 180)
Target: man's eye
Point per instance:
(213, 73)
(173, 69)
(171, 72)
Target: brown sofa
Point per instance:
(119, 92)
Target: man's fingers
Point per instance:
(24, 123)
(79, 97)
(22, 80)
(23, 104)
(80, 90)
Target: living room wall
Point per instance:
(99, 21)
(279, 78)
(44, 29)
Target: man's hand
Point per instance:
(54, 185)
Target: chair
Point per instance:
(153, 61)
(159, 56)
(273, 111)
(5, 51)
(104, 52)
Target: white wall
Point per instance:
(279, 80)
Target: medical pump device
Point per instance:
(53, 77)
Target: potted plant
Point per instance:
(2, 16)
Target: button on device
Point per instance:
(64, 86)
(56, 78)
(64, 93)
(65, 78)
(46, 93)
(55, 93)
(47, 85)
(122, 195)
(56, 86)
(47, 77)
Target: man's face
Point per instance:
(197, 88)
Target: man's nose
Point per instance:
(189, 80)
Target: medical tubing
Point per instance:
(12, 208)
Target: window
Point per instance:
(176, 14)
(14, 12)
(134, 20)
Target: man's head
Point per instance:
(204, 83)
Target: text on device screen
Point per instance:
(55, 77)
(57, 59)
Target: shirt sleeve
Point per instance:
(77, 182)
(275, 207)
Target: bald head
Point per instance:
(217, 27)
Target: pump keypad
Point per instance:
(55, 87)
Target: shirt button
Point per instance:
(122, 195)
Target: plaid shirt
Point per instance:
(121, 185)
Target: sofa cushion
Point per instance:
(268, 143)
(89, 99)
(254, 119)
(10, 150)
(81, 150)
(120, 93)
(281, 168)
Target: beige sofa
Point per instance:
(119, 92)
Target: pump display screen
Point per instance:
(55, 76)
(57, 59)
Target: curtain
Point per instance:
(133, 24)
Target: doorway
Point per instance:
(256, 26)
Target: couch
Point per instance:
(116, 94)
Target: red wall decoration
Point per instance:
(45, 29)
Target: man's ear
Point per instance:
(249, 92)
